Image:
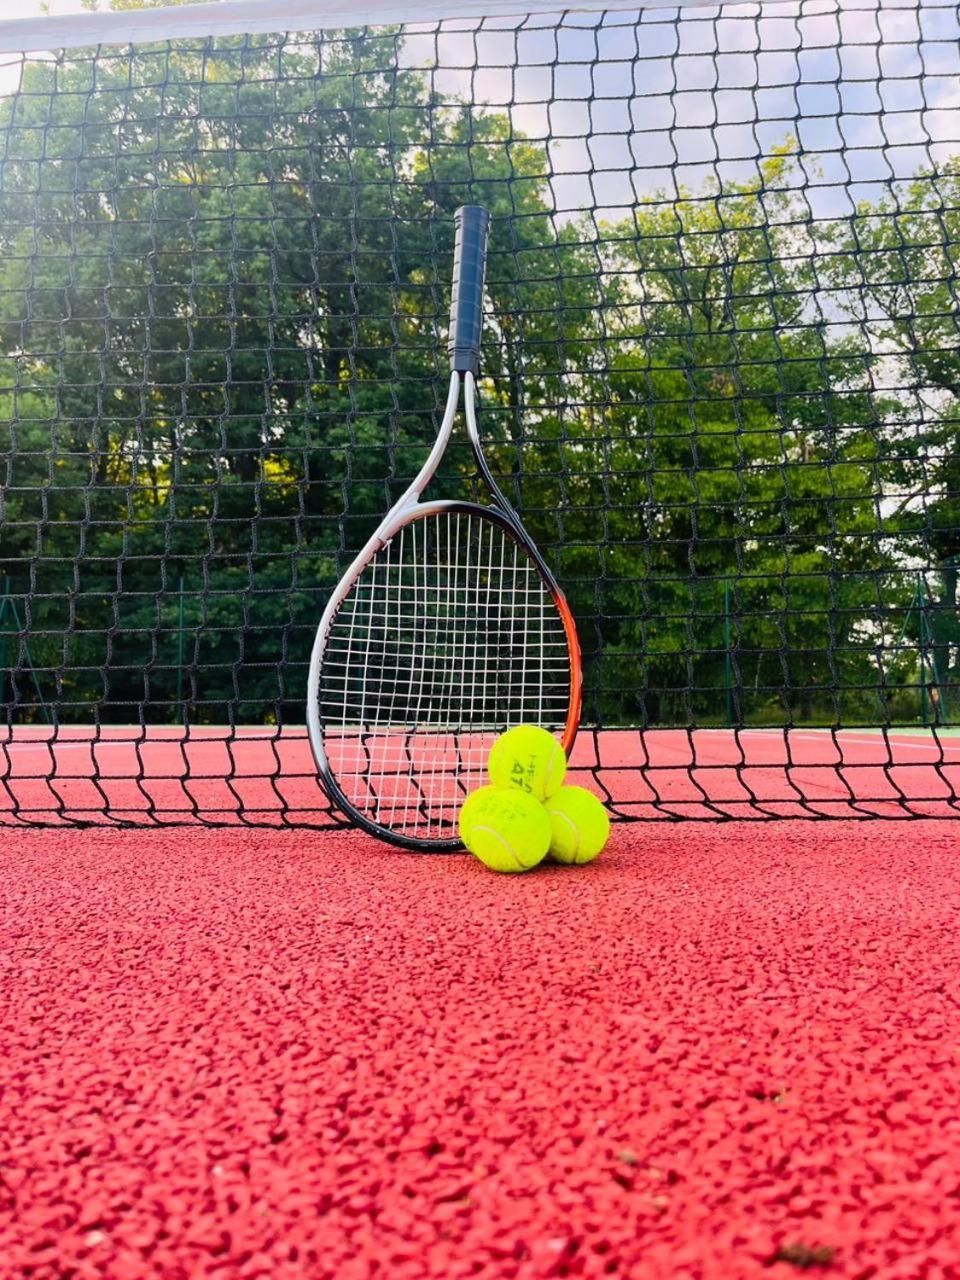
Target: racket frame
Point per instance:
(408, 509)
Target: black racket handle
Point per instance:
(466, 302)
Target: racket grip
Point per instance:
(466, 302)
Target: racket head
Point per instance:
(451, 631)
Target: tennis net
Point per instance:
(720, 382)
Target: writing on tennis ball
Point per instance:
(528, 759)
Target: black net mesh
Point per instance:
(720, 381)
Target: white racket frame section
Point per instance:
(406, 509)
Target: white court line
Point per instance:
(251, 734)
(892, 741)
(205, 733)
(19, 747)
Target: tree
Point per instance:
(893, 270)
(223, 294)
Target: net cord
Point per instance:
(251, 17)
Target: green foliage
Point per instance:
(222, 294)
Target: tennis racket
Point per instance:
(446, 629)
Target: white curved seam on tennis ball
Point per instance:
(557, 813)
(556, 765)
(509, 848)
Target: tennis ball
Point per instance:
(528, 758)
(579, 825)
(507, 830)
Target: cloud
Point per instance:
(626, 104)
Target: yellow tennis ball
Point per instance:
(579, 825)
(507, 830)
(528, 758)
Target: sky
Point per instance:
(870, 89)
(32, 8)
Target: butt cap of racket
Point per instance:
(466, 301)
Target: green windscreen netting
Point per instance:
(721, 373)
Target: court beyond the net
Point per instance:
(261, 777)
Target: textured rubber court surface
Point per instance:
(723, 1051)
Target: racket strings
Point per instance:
(446, 638)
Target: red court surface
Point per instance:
(125, 775)
(721, 1051)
